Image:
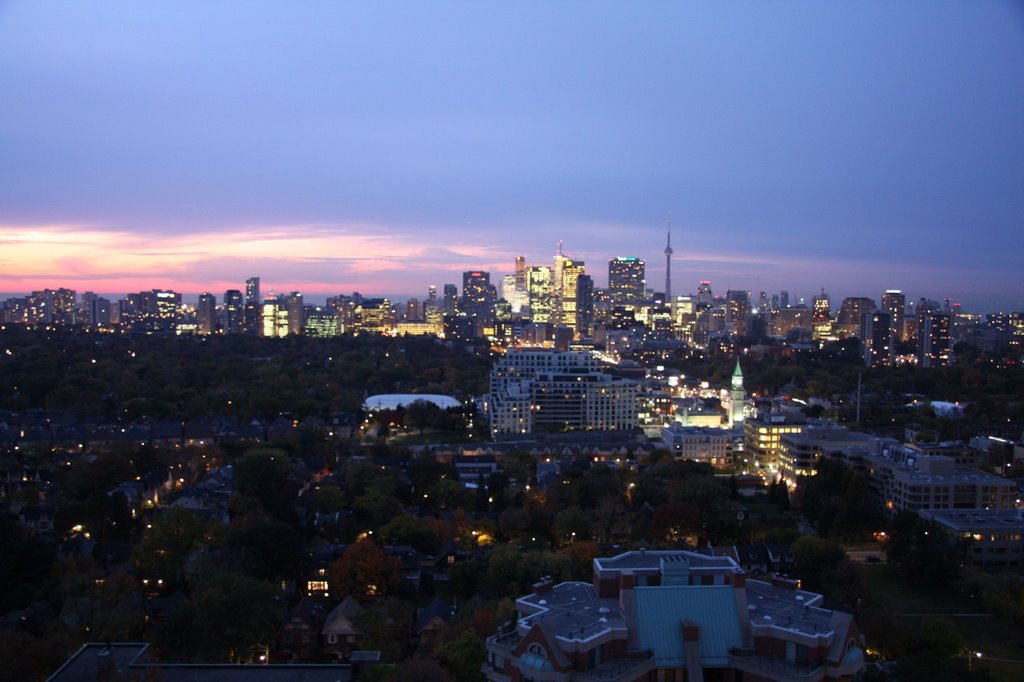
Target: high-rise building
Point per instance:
(478, 296)
(876, 339)
(274, 316)
(206, 313)
(783, 299)
(451, 299)
(541, 390)
(584, 304)
(821, 318)
(851, 315)
(567, 298)
(894, 304)
(521, 273)
(321, 322)
(626, 279)
(933, 338)
(252, 307)
(705, 299)
(234, 311)
(296, 312)
(737, 311)
(539, 284)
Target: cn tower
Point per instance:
(668, 264)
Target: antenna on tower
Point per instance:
(559, 247)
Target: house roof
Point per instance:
(661, 611)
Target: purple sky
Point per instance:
(381, 147)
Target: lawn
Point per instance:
(1000, 640)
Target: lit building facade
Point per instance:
(626, 279)
(544, 390)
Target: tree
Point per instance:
(364, 570)
(261, 474)
(166, 547)
(272, 549)
(815, 558)
(463, 655)
(227, 614)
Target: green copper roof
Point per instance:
(661, 610)
(736, 372)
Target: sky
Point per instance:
(381, 147)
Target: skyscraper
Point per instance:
(626, 279)
(934, 345)
(450, 300)
(737, 310)
(234, 311)
(206, 313)
(821, 317)
(478, 296)
(876, 339)
(894, 303)
(252, 306)
(584, 304)
(567, 298)
(296, 312)
(538, 290)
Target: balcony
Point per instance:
(641, 663)
(774, 668)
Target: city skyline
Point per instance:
(332, 149)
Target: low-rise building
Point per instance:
(711, 446)
(673, 615)
(992, 537)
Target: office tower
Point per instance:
(451, 299)
(933, 336)
(876, 338)
(252, 306)
(737, 311)
(783, 299)
(508, 288)
(431, 302)
(539, 284)
(520, 273)
(851, 314)
(705, 299)
(762, 302)
(567, 299)
(234, 311)
(296, 312)
(478, 295)
(321, 322)
(894, 304)
(584, 304)
(626, 279)
(821, 317)
(668, 263)
(206, 313)
(345, 308)
(274, 317)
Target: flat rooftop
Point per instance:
(651, 559)
(573, 611)
(794, 610)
